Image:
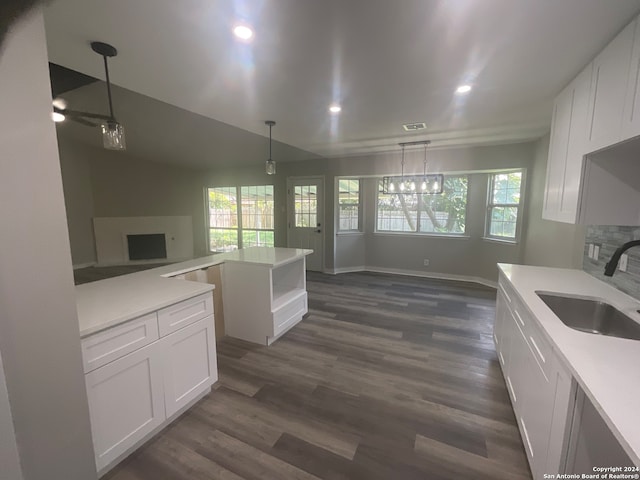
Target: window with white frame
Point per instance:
(240, 217)
(349, 205)
(421, 213)
(504, 205)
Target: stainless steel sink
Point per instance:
(591, 316)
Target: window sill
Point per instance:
(348, 233)
(500, 240)
(429, 235)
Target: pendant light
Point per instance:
(112, 131)
(429, 183)
(270, 165)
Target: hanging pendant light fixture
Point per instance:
(430, 183)
(270, 165)
(112, 131)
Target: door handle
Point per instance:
(318, 231)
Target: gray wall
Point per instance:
(103, 183)
(78, 199)
(125, 186)
(39, 337)
(547, 243)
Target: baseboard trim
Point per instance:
(337, 271)
(84, 265)
(417, 273)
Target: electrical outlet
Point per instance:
(596, 252)
(624, 259)
(426, 262)
(591, 250)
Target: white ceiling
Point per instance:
(386, 62)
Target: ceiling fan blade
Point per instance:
(76, 114)
(83, 121)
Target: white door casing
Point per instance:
(305, 218)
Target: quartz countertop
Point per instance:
(109, 302)
(106, 303)
(606, 368)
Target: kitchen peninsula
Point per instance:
(148, 340)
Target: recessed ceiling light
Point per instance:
(335, 108)
(462, 89)
(243, 32)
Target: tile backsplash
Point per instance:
(609, 238)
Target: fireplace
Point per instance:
(126, 240)
(147, 246)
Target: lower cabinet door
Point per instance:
(125, 402)
(190, 364)
(537, 416)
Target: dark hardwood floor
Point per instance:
(388, 377)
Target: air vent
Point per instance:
(412, 127)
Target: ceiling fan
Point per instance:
(112, 132)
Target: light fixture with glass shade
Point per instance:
(427, 183)
(112, 131)
(270, 165)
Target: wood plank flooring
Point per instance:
(388, 377)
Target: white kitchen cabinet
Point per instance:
(609, 90)
(264, 294)
(540, 390)
(189, 364)
(145, 371)
(631, 118)
(558, 148)
(600, 108)
(125, 402)
(566, 150)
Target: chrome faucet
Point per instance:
(610, 267)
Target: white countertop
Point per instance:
(271, 257)
(606, 368)
(109, 302)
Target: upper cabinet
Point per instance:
(631, 114)
(608, 90)
(567, 147)
(599, 108)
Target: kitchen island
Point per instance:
(148, 340)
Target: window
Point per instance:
(257, 216)
(306, 205)
(348, 205)
(503, 210)
(421, 213)
(223, 219)
(236, 224)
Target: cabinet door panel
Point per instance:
(540, 394)
(517, 368)
(125, 402)
(608, 90)
(190, 364)
(560, 128)
(631, 120)
(568, 208)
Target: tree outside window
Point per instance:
(421, 213)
